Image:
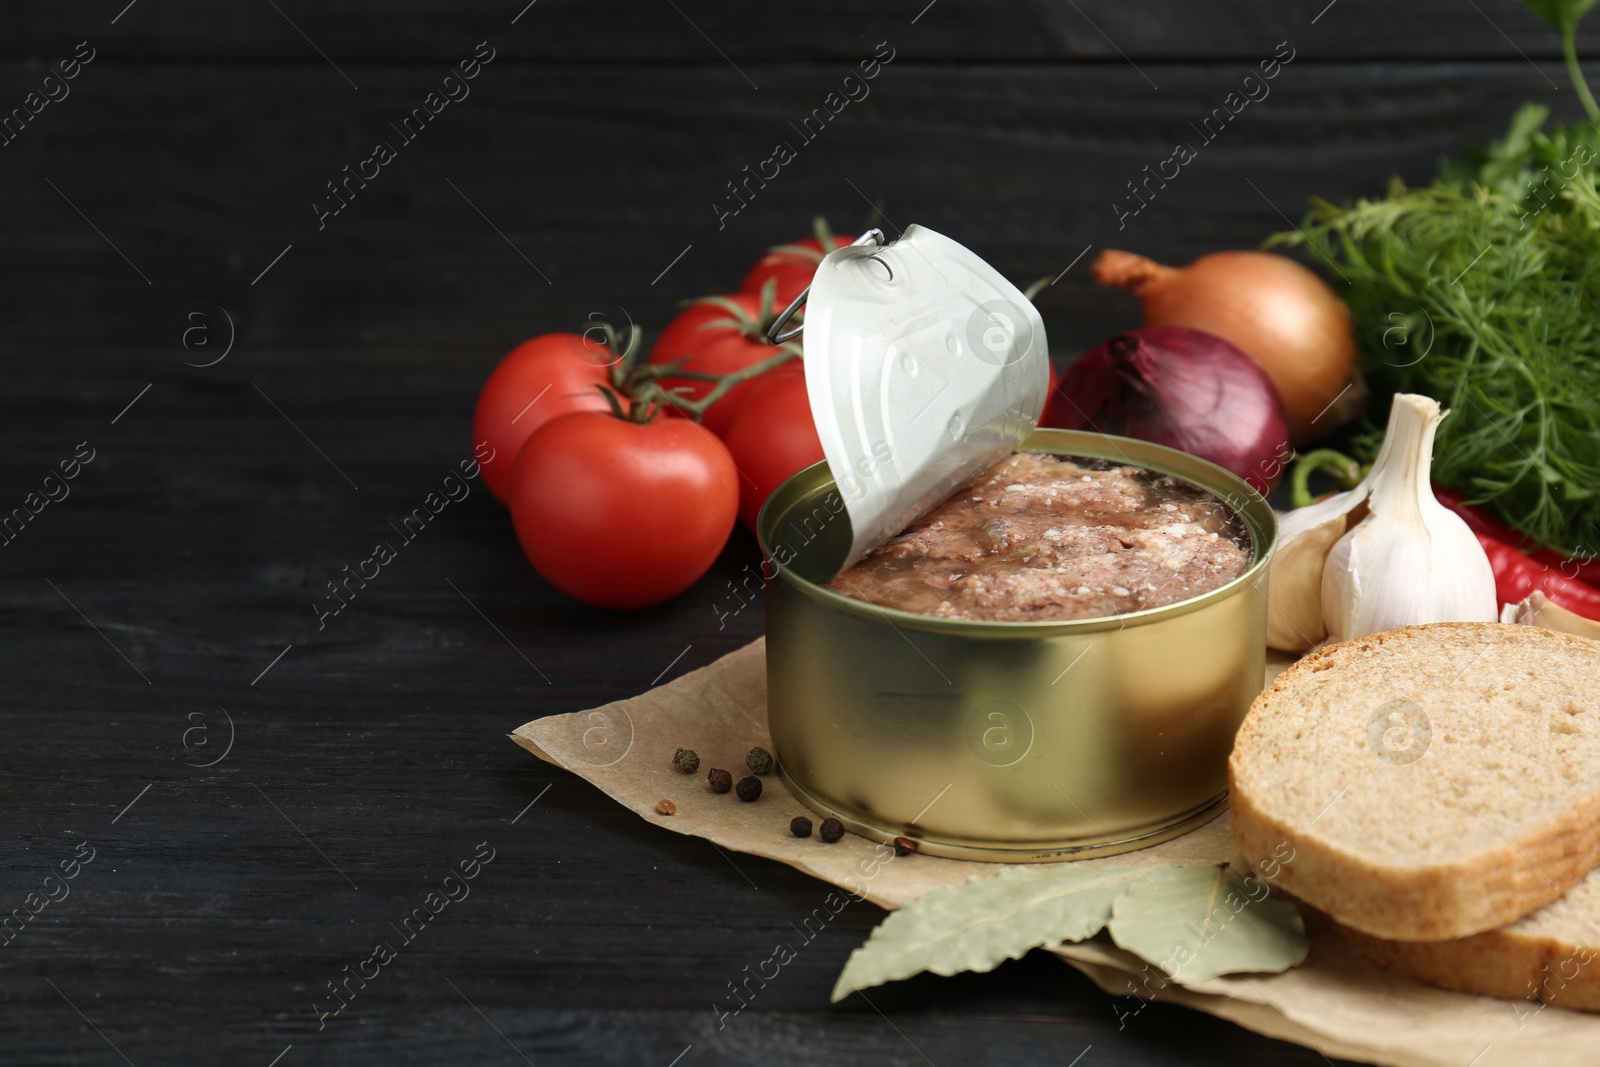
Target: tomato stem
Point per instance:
(736, 314)
(754, 327)
(824, 236)
(725, 383)
(636, 393)
(824, 232)
(626, 351)
(613, 398)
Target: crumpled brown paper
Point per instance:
(1337, 1002)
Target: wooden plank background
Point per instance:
(579, 176)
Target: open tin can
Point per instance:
(1008, 741)
(1013, 741)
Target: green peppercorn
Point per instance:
(831, 830)
(748, 789)
(759, 760)
(721, 781)
(686, 761)
(800, 826)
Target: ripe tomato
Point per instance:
(772, 437)
(623, 514)
(734, 343)
(541, 378)
(792, 265)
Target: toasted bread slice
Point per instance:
(1552, 955)
(1427, 783)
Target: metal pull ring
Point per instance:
(774, 337)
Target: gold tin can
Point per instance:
(1015, 742)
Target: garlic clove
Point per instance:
(1410, 560)
(1463, 579)
(1539, 610)
(1375, 580)
(1294, 578)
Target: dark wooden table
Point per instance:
(265, 800)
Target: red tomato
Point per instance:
(793, 266)
(716, 349)
(771, 437)
(547, 376)
(623, 514)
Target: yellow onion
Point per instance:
(1279, 313)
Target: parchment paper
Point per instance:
(1337, 1002)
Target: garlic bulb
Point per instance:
(1384, 554)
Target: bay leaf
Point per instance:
(982, 922)
(1199, 922)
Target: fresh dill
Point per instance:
(1482, 290)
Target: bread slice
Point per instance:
(1552, 955)
(1427, 783)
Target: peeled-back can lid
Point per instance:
(924, 366)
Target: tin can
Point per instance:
(1015, 742)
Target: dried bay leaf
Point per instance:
(1197, 923)
(982, 922)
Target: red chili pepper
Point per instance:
(1586, 569)
(1517, 574)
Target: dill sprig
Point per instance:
(1482, 290)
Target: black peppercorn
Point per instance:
(831, 830)
(748, 789)
(721, 781)
(800, 826)
(759, 760)
(904, 846)
(686, 761)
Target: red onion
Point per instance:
(1181, 388)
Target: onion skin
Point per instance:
(1182, 388)
(1280, 313)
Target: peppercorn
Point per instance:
(686, 761)
(800, 826)
(666, 807)
(721, 781)
(904, 846)
(831, 830)
(749, 789)
(759, 760)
